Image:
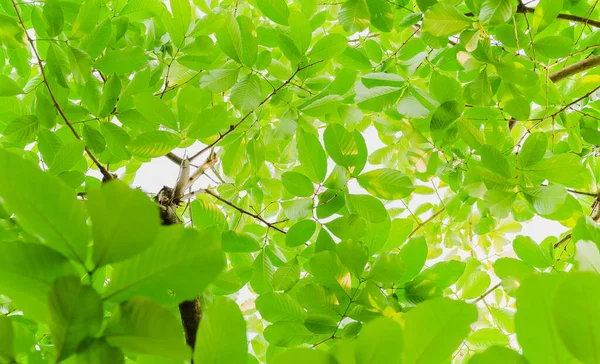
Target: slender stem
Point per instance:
(487, 293)
(575, 18)
(241, 210)
(236, 125)
(105, 173)
(425, 222)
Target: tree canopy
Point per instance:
(356, 181)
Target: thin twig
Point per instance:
(105, 173)
(425, 222)
(231, 204)
(487, 293)
(236, 125)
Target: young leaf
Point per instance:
(275, 307)
(53, 15)
(387, 184)
(8, 87)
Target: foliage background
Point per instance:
(354, 178)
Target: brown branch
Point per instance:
(565, 238)
(174, 158)
(184, 175)
(210, 162)
(105, 173)
(236, 125)
(575, 18)
(241, 210)
(575, 68)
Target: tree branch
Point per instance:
(575, 18)
(231, 204)
(105, 173)
(210, 162)
(575, 68)
(174, 158)
(487, 293)
(236, 125)
(521, 9)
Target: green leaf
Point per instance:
(495, 161)
(206, 214)
(574, 309)
(87, 17)
(297, 184)
(388, 184)
(222, 334)
(348, 227)
(286, 275)
(287, 334)
(262, 274)
(209, 122)
(300, 30)
(301, 356)
(387, 268)
(479, 92)
(565, 169)
(380, 342)
(249, 40)
(275, 307)
(110, 95)
(11, 33)
(300, 233)
(153, 108)
(75, 314)
(545, 14)
(53, 15)
(22, 129)
(320, 324)
(67, 156)
(367, 207)
(414, 255)
(347, 149)
(143, 326)
(182, 16)
(354, 255)
(354, 15)
(7, 351)
(435, 329)
(497, 355)
(153, 144)
(537, 332)
(377, 98)
(229, 39)
(329, 46)
(246, 95)
(443, 20)
(124, 222)
(553, 46)
(175, 253)
(238, 241)
(275, 10)
(496, 12)
(532, 253)
(27, 272)
(311, 156)
(219, 80)
(46, 208)
(8, 87)
(98, 351)
(122, 61)
(533, 150)
(382, 16)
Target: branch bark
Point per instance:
(575, 68)
(575, 18)
(105, 173)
